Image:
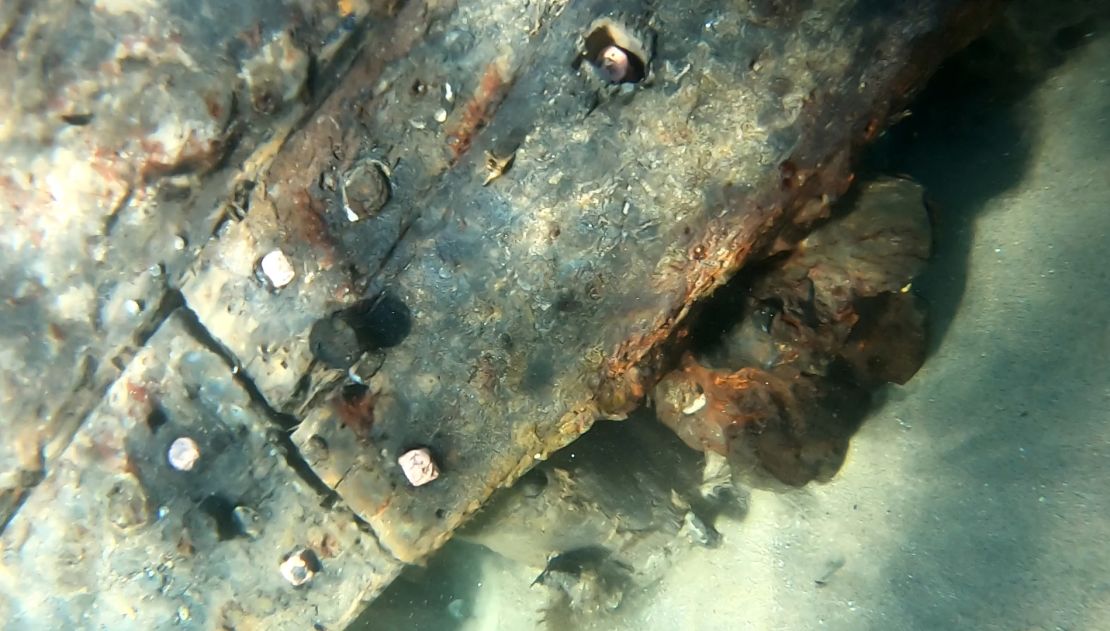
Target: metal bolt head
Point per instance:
(299, 567)
(277, 269)
(614, 63)
(419, 466)
(183, 454)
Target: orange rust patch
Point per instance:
(478, 110)
(355, 411)
(723, 391)
(307, 213)
(383, 507)
(137, 392)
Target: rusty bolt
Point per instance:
(419, 466)
(183, 454)
(299, 567)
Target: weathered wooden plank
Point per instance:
(124, 126)
(116, 537)
(544, 299)
(539, 239)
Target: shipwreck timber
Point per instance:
(462, 230)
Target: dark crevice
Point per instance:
(77, 119)
(365, 527)
(285, 422)
(170, 301)
(86, 394)
(372, 277)
(96, 378)
(156, 418)
(113, 215)
(222, 512)
(320, 81)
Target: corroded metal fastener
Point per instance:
(614, 63)
(183, 454)
(299, 567)
(277, 269)
(419, 466)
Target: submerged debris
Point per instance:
(817, 330)
(584, 254)
(698, 531)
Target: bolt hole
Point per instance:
(616, 54)
(222, 512)
(373, 324)
(533, 483)
(156, 419)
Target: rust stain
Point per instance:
(215, 108)
(726, 405)
(355, 410)
(306, 217)
(477, 111)
(56, 332)
(381, 509)
(305, 153)
(138, 392)
(727, 245)
(129, 466)
(328, 547)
